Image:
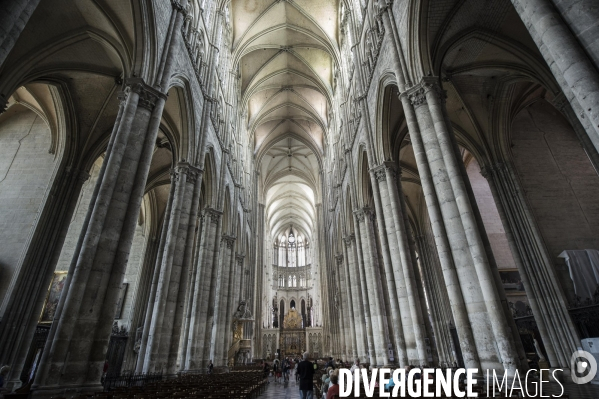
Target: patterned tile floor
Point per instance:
(290, 390)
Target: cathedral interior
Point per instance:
(404, 182)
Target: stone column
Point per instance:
(378, 356)
(408, 264)
(357, 297)
(352, 303)
(155, 276)
(404, 233)
(343, 298)
(543, 289)
(157, 350)
(25, 298)
(240, 277)
(503, 335)
(182, 265)
(450, 272)
(456, 233)
(191, 244)
(572, 67)
(435, 294)
(330, 310)
(6, 340)
(580, 127)
(403, 332)
(15, 15)
(259, 290)
(582, 17)
(141, 300)
(428, 328)
(198, 339)
(361, 275)
(72, 359)
(75, 359)
(219, 328)
(207, 314)
(232, 302)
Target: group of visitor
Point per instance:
(330, 381)
(281, 369)
(305, 369)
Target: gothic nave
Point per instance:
(398, 181)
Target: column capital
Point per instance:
(486, 171)
(80, 175)
(379, 173)
(193, 172)
(182, 168)
(239, 259)
(229, 240)
(348, 239)
(148, 96)
(339, 259)
(417, 94)
(363, 213)
(490, 171)
(213, 214)
(391, 169)
(359, 214)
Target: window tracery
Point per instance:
(291, 251)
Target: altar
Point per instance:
(292, 337)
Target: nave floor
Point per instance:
(281, 390)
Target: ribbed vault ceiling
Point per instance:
(286, 51)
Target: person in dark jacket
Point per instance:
(330, 364)
(306, 372)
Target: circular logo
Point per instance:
(583, 367)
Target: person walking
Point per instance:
(286, 370)
(306, 373)
(276, 370)
(266, 371)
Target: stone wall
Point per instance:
(490, 215)
(558, 180)
(133, 272)
(70, 242)
(26, 169)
